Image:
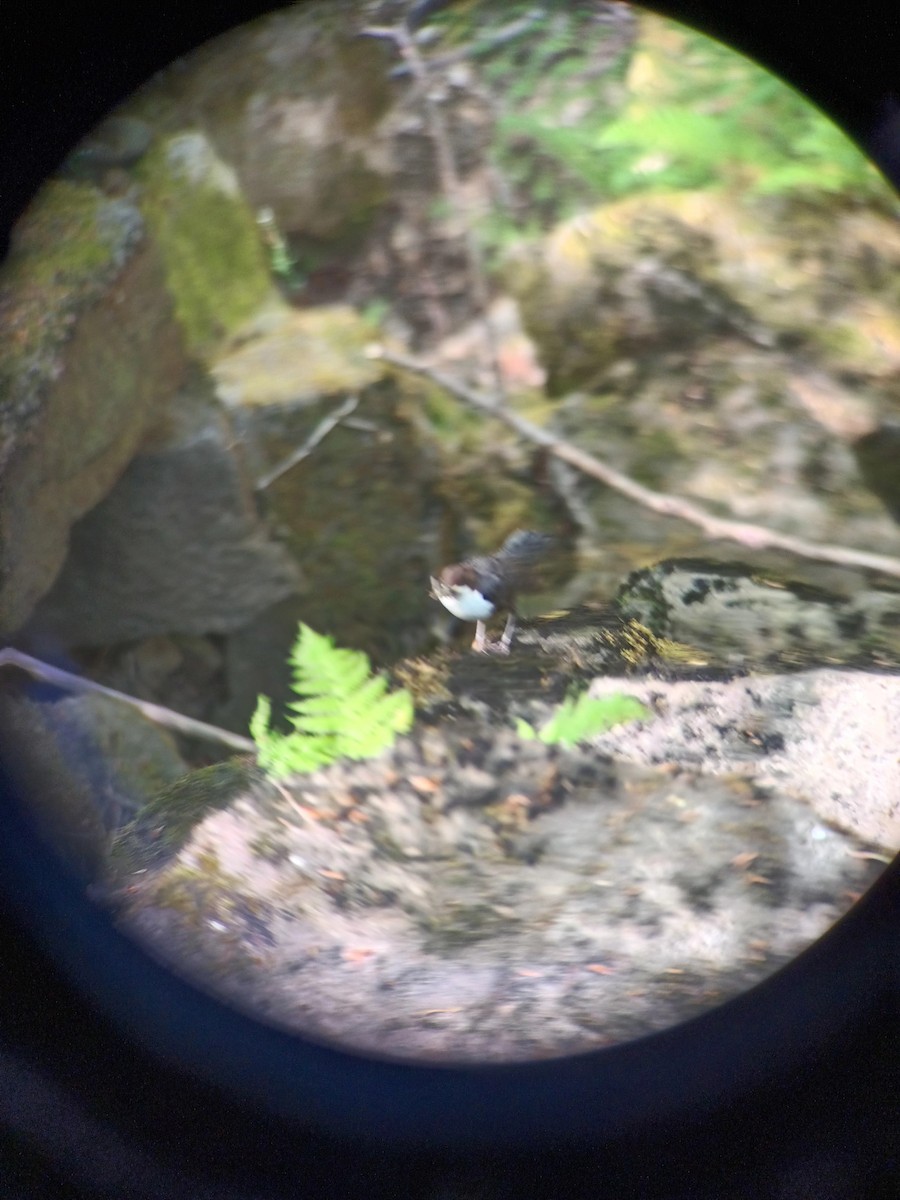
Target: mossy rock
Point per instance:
(215, 262)
(89, 359)
(65, 251)
(83, 764)
(165, 823)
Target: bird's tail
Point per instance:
(527, 545)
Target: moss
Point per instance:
(654, 452)
(457, 924)
(634, 645)
(195, 892)
(425, 679)
(61, 239)
(350, 517)
(165, 823)
(214, 259)
(262, 368)
(69, 244)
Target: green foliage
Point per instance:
(582, 717)
(374, 313)
(547, 156)
(672, 110)
(282, 262)
(342, 710)
(717, 119)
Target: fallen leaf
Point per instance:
(600, 969)
(744, 860)
(331, 874)
(423, 785)
(517, 800)
(758, 879)
(311, 814)
(356, 953)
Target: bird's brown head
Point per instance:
(459, 575)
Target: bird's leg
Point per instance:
(506, 639)
(482, 646)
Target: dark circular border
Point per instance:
(160, 1070)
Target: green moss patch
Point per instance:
(214, 258)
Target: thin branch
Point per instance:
(756, 537)
(488, 44)
(323, 428)
(448, 177)
(154, 712)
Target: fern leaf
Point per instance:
(578, 719)
(375, 730)
(261, 720)
(341, 710)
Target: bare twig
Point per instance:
(487, 45)
(448, 177)
(323, 428)
(756, 537)
(154, 712)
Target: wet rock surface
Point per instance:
(473, 895)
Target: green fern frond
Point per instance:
(341, 710)
(579, 718)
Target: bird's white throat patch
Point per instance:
(464, 602)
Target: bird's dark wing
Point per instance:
(522, 554)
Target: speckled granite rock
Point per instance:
(477, 896)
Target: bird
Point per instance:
(477, 588)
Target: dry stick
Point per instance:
(323, 428)
(755, 536)
(490, 43)
(154, 712)
(448, 176)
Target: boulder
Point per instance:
(735, 354)
(292, 102)
(351, 509)
(91, 355)
(177, 546)
(214, 258)
(84, 766)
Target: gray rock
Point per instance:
(743, 616)
(95, 359)
(85, 764)
(175, 548)
(830, 736)
(396, 907)
(294, 103)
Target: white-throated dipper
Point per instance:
(477, 588)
